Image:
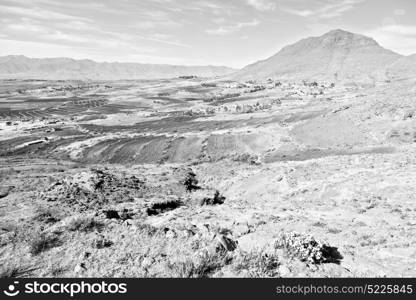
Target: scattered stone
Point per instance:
(80, 268)
(101, 242)
(111, 214)
(241, 229)
(147, 262)
(164, 206)
(126, 214)
(170, 233)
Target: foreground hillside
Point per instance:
(18, 66)
(193, 178)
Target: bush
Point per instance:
(202, 265)
(42, 242)
(190, 182)
(47, 215)
(85, 224)
(217, 199)
(307, 248)
(257, 264)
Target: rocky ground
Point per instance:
(194, 178)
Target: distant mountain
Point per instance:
(336, 55)
(18, 66)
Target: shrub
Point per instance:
(307, 248)
(47, 215)
(257, 263)
(202, 265)
(42, 242)
(84, 224)
(217, 199)
(190, 182)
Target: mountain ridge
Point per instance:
(20, 66)
(334, 56)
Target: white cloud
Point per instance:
(163, 39)
(325, 10)
(399, 38)
(38, 13)
(262, 5)
(224, 30)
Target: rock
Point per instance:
(128, 223)
(5, 190)
(147, 262)
(111, 214)
(79, 268)
(170, 234)
(126, 214)
(241, 229)
(163, 206)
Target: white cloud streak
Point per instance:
(262, 5)
(229, 29)
(325, 10)
(399, 38)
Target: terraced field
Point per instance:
(74, 107)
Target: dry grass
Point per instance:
(47, 215)
(42, 241)
(257, 263)
(14, 271)
(203, 264)
(83, 224)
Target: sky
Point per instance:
(193, 32)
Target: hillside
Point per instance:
(336, 55)
(67, 68)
